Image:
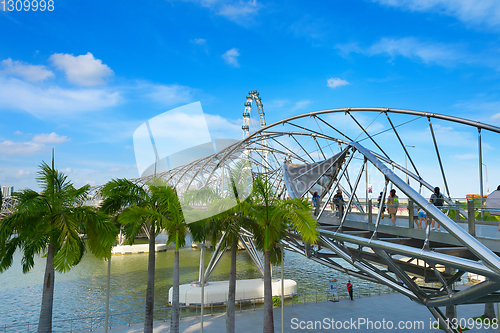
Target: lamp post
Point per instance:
(282, 246)
(108, 287)
(487, 185)
(406, 165)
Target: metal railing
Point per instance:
(477, 214)
(90, 323)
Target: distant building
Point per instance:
(7, 191)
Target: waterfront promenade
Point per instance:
(393, 307)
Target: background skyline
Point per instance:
(83, 77)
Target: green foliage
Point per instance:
(276, 301)
(54, 216)
(486, 217)
(275, 217)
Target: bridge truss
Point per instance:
(350, 147)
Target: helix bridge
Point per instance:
(355, 150)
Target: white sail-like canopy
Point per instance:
(493, 201)
(312, 177)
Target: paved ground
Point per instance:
(392, 309)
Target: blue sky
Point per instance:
(83, 77)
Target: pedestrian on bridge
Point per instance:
(339, 203)
(350, 290)
(437, 200)
(316, 203)
(392, 206)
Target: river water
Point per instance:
(81, 292)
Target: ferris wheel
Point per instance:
(253, 95)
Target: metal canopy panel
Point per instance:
(493, 201)
(312, 177)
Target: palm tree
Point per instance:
(176, 229)
(53, 223)
(140, 208)
(273, 218)
(227, 215)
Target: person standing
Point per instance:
(316, 201)
(437, 200)
(392, 205)
(339, 203)
(422, 216)
(349, 290)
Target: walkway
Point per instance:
(393, 307)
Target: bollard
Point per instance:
(472, 219)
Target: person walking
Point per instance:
(437, 200)
(350, 290)
(392, 206)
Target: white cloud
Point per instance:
(223, 128)
(18, 133)
(300, 105)
(114, 170)
(231, 57)
(170, 94)
(484, 12)
(496, 117)
(410, 47)
(277, 103)
(36, 146)
(32, 73)
(237, 10)
(66, 170)
(199, 41)
(232, 10)
(21, 148)
(53, 100)
(49, 138)
(82, 70)
(336, 82)
(466, 156)
(22, 173)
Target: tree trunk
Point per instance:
(150, 291)
(174, 321)
(230, 321)
(489, 311)
(268, 297)
(45, 321)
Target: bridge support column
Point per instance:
(451, 310)
(472, 218)
(410, 213)
(370, 210)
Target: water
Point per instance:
(82, 291)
